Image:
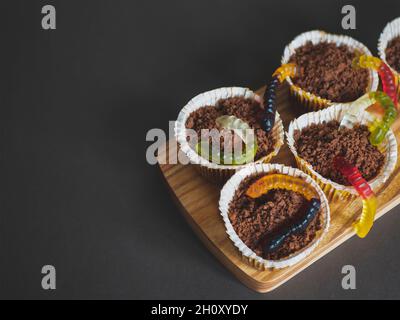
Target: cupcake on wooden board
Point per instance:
(275, 215)
(224, 111)
(316, 139)
(324, 73)
(389, 45)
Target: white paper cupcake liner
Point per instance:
(212, 171)
(391, 31)
(332, 189)
(310, 100)
(227, 194)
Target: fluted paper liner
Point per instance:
(308, 99)
(391, 31)
(227, 194)
(212, 171)
(332, 189)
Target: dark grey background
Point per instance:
(76, 103)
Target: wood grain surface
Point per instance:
(198, 201)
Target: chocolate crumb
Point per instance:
(318, 144)
(393, 53)
(325, 69)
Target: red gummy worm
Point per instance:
(388, 82)
(354, 177)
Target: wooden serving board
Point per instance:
(198, 201)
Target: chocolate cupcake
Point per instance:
(253, 223)
(315, 139)
(324, 73)
(205, 111)
(389, 46)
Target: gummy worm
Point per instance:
(379, 129)
(353, 175)
(352, 114)
(233, 123)
(280, 74)
(279, 181)
(282, 181)
(311, 208)
(240, 128)
(386, 75)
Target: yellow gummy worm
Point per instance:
(364, 61)
(284, 71)
(364, 224)
(280, 181)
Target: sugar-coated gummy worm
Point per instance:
(386, 75)
(279, 181)
(379, 129)
(353, 175)
(278, 77)
(310, 208)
